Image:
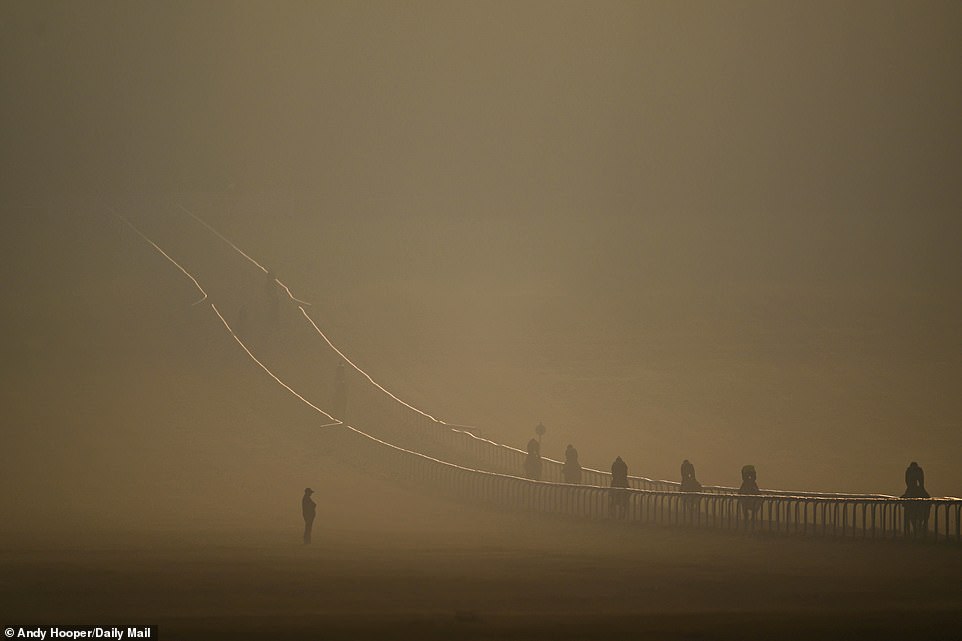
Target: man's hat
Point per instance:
(308, 490)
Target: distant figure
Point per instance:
(749, 506)
(749, 480)
(532, 462)
(916, 512)
(915, 482)
(619, 473)
(618, 502)
(688, 481)
(339, 402)
(690, 504)
(309, 510)
(572, 468)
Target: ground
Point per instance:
(508, 576)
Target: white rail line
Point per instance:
(361, 371)
(165, 255)
(314, 324)
(244, 254)
(334, 421)
(460, 428)
(272, 374)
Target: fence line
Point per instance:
(857, 518)
(404, 423)
(473, 469)
(469, 448)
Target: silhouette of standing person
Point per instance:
(532, 462)
(619, 485)
(572, 468)
(309, 510)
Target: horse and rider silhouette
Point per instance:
(532, 462)
(916, 512)
(689, 484)
(618, 497)
(572, 468)
(748, 506)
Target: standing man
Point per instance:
(309, 510)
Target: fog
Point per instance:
(726, 232)
(722, 232)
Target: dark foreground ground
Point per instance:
(511, 577)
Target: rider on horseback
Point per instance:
(572, 468)
(915, 482)
(688, 481)
(916, 512)
(749, 506)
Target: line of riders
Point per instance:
(916, 513)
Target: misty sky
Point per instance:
(713, 142)
(747, 214)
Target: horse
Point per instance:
(690, 504)
(748, 507)
(618, 502)
(917, 519)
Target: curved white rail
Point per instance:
(469, 431)
(860, 518)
